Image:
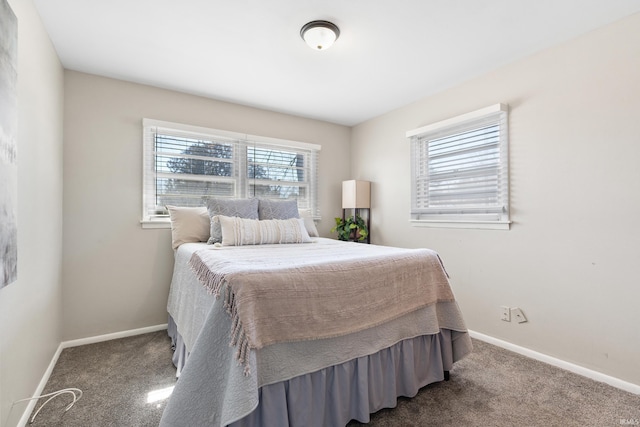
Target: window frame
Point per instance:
(479, 215)
(241, 143)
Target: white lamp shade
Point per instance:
(356, 194)
(320, 35)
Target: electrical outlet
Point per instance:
(505, 314)
(518, 315)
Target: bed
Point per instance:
(254, 348)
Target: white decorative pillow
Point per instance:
(188, 225)
(241, 231)
(243, 208)
(309, 224)
(277, 209)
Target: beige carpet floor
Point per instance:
(490, 387)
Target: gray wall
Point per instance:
(116, 274)
(570, 259)
(31, 307)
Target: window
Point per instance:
(183, 165)
(459, 171)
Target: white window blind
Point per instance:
(184, 165)
(280, 172)
(460, 169)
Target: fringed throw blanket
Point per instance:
(295, 292)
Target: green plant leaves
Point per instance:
(352, 228)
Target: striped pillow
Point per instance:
(240, 231)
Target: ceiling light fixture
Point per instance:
(319, 35)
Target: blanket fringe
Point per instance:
(214, 282)
(228, 299)
(235, 330)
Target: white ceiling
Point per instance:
(249, 52)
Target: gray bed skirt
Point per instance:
(352, 390)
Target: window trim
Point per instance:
(237, 138)
(453, 124)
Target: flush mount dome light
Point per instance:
(319, 35)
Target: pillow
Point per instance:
(188, 225)
(240, 231)
(243, 208)
(278, 209)
(309, 224)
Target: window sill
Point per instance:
(479, 225)
(166, 223)
(157, 223)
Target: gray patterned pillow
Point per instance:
(278, 209)
(243, 208)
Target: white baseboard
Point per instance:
(74, 343)
(559, 363)
(43, 382)
(113, 336)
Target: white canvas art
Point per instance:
(8, 146)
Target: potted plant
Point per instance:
(353, 228)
